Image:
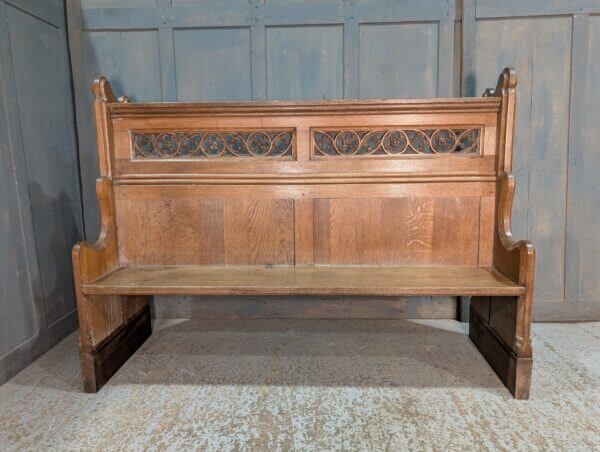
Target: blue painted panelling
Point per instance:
(130, 59)
(583, 220)
(209, 3)
(213, 64)
(541, 143)
(305, 62)
(116, 3)
(21, 310)
(46, 119)
(40, 206)
(49, 11)
(390, 70)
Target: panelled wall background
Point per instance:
(285, 49)
(40, 204)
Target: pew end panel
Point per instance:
(502, 331)
(378, 198)
(111, 327)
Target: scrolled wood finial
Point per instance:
(102, 89)
(506, 81)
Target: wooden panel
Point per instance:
(202, 280)
(213, 64)
(541, 132)
(388, 70)
(186, 230)
(40, 212)
(582, 244)
(304, 62)
(259, 232)
(303, 229)
(129, 58)
(409, 231)
(117, 3)
(455, 231)
(179, 231)
(504, 8)
(49, 11)
(487, 217)
(19, 321)
(45, 119)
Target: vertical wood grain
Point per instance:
(171, 231)
(303, 230)
(487, 217)
(321, 230)
(456, 231)
(259, 231)
(404, 231)
(417, 222)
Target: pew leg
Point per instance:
(499, 329)
(111, 329)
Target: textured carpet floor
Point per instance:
(310, 385)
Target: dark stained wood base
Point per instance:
(97, 367)
(514, 372)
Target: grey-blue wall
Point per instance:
(40, 204)
(285, 49)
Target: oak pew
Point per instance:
(365, 197)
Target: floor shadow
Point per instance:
(310, 352)
(299, 352)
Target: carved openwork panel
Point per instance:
(395, 142)
(213, 144)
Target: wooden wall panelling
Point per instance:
(40, 194)
(305, 62)
(199, 51)
(19, 272)
(381, 73)
(582, 285)
(50, 152)
(552, 108)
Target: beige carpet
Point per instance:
(311, 385)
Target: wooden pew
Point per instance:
(362, 197)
